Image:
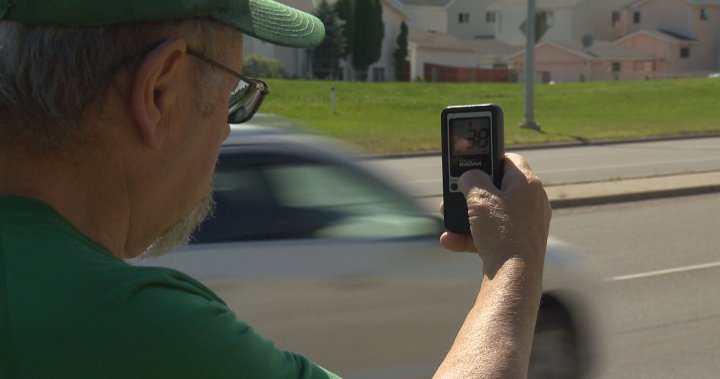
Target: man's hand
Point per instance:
(512, 222)
(509, 230)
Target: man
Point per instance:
(111, 119)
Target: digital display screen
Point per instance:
(470, 136)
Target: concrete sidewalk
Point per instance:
(614, 191)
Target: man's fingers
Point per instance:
(519, 161)
(473, 180)
(457, 242)
(517, 172)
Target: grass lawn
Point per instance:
(405, 117)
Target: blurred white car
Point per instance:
(328, 260)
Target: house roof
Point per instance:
(605, 50)
(692, 2)
(311, 5)
(397, 5)
(433, 39)
(543, 4)
(483, 47)
(599, 50)
(677, 36)
(427, 3)
(661, 34)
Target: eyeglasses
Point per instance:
(247, 96)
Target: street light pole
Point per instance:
(529, 121)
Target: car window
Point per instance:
(314, 185)
(244, 208)
(353, 205)
(290, 199)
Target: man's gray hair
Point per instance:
(48, 75)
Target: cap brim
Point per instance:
(274, 22)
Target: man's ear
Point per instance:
(155, 87)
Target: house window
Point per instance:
(616, 67)
(636, 17)
(549, 17)
(684, 52)
(378, 74)
(463, 17)
(615, 19)
(704, 14)
(490, 17)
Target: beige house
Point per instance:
(569, 20)
(465, 19)
(671, 52)
(453, 34)
(601, 60)
(443, 32)
(434, 48)
(682, 35)
(619, 39)
(428, 15)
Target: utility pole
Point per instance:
(350, 56)
(529, 121)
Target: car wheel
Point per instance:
(555, 351)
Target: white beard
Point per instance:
(179, 234)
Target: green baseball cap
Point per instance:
(267, 20)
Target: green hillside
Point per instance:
(404, 117)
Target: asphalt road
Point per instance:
(660, 259)
(422, 176)
(661, 264)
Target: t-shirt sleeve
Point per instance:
(188, 332)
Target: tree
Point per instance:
(401, 53)
(367, 37)
(326, 56)
(344, 11)
(363, 30)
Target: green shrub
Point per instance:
(257, 66)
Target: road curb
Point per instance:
(624, 198)
(599, 193)
(557, 145)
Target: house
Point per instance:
(454, 37)
(430, 50)
(430, 22)
(568, 20)
(682, 35)
(465, 19)
(577, 45)
(594, 60)
(618, 39)
(442, 32)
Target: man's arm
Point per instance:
(509, 231)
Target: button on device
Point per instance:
(454, 186)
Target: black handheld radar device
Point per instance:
(472, 138)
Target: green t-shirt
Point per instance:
(69, 309)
